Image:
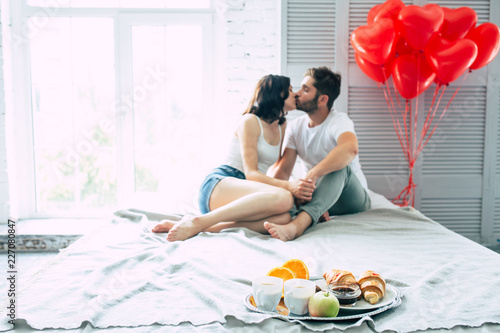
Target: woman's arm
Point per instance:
(248, 133)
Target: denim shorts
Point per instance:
(213, 179)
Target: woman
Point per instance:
(238, 193)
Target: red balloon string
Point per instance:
(432, 112)
(414, 134)
(393, 110)
(407, 116)
(396, 94)
(444, 112)
(406, 196)
(410, 148)
(426, 122)
(395, 121)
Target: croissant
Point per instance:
(337, 275)
(372, 286)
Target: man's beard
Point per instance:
(309, 106)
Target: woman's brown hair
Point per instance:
(269, 98)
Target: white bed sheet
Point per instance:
(427, 259)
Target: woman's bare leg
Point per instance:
(258, 226)
(164, 226)
(238, 201)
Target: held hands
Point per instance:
(302, 190)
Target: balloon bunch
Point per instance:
(419, 45)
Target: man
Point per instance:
(325, 141)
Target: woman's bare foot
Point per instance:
(164, 226)
(284, 232)
(187, 227)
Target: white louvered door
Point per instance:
(458, 173)
(308, 30)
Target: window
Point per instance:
(121, 3)
(118, 103)
(72, 87)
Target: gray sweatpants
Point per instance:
(339, 192)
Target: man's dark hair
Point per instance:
(326, 82)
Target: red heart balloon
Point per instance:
(450, 59)
(402, 47)
(372, 13)
(378, 73)
(457, 22)
(412, 75)
(374, 41)
(420, 23)
(389, 9)
(487, 38)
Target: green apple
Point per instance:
(323, 304)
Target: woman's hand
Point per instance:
(302, 189)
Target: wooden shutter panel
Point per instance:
(458, 180)
(453, 162)
(482, 7)
(310, 36)
(380, 153)
(456, 148)
(496, 185)
(462, 215)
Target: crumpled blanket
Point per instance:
(124, 275)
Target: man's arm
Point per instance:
(302, 188)
(285, 164)
(338, 158)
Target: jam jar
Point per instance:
(346, 293)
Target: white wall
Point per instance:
(252, 47)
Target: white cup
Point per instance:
(267, 292)
(297, 294)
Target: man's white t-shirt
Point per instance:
(314, 143)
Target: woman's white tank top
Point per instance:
(267, 154)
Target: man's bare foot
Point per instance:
(284, 232)
(187, 227)
(164, 226)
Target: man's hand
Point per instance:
(303, 189)
(312, 176)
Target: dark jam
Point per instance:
(346, 296)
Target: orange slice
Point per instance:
(298, 267)
(282, 272)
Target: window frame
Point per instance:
(23, 144)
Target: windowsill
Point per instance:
(47, 234)
(54, 226)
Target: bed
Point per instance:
(123, 277)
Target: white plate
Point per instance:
(361, 306)
(346, 313)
